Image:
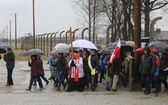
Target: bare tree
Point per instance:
(147, 7)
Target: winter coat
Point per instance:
(36, 67)
(62, 64)
(163, 65)
(85, 65)
(10, 60)
(53, 63)
(103, 63)
(115, 67)
(95, 62)
(147, 64)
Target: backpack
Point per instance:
(157, 60)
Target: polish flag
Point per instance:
(116, 52)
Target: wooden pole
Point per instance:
(71, 33)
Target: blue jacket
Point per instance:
(103, 64)
(49, 60)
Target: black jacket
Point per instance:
(10, 60)
(61, 64)
(163, 65)
(115, 67)
(148, 64)
(85, 65)
(95, 62)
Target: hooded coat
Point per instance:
(147, 62)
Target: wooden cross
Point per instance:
(71, 33)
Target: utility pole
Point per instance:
(7, 33)
(33, 25)
(15, 32)
(137, 37)
(94, 22)
(10, 31)
(90, 24)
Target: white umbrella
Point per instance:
(82, 43)
(55, 52)
(62, 46)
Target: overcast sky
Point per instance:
(50, 16)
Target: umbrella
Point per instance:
(62, 46)
(131, 43)
(141, 51)
(2, 50)
(160, 46)
(99, 47)
(115, 43)
(82, 43)
(32, 52)
(5, 46)
(59, 51)
(104, 51)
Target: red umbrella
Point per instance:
(154, 51)
(141, 51)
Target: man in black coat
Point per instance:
(9, 57)
(162, 73)
(93, 63)
(147, 69)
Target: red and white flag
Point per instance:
(116, 52)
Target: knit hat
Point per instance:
(75, 51)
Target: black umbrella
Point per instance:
(160, 46)
(2, 50)
(115, 43)
(104, 51)
(32, 52)
(5, 46)
(124, 49)
(98, 47)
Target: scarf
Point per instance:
(75, 69)
(93, 71)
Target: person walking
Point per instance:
(86, 70)
(35, 72)
(103, 67)
(94, 67)
(54, 70)
(163, 74)
(61, 66)
(42, 72)
(147, 69)
(9, 57)
(76, 76)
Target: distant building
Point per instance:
(161, 35)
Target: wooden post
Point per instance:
(71, 33)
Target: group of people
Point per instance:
(80, 70)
